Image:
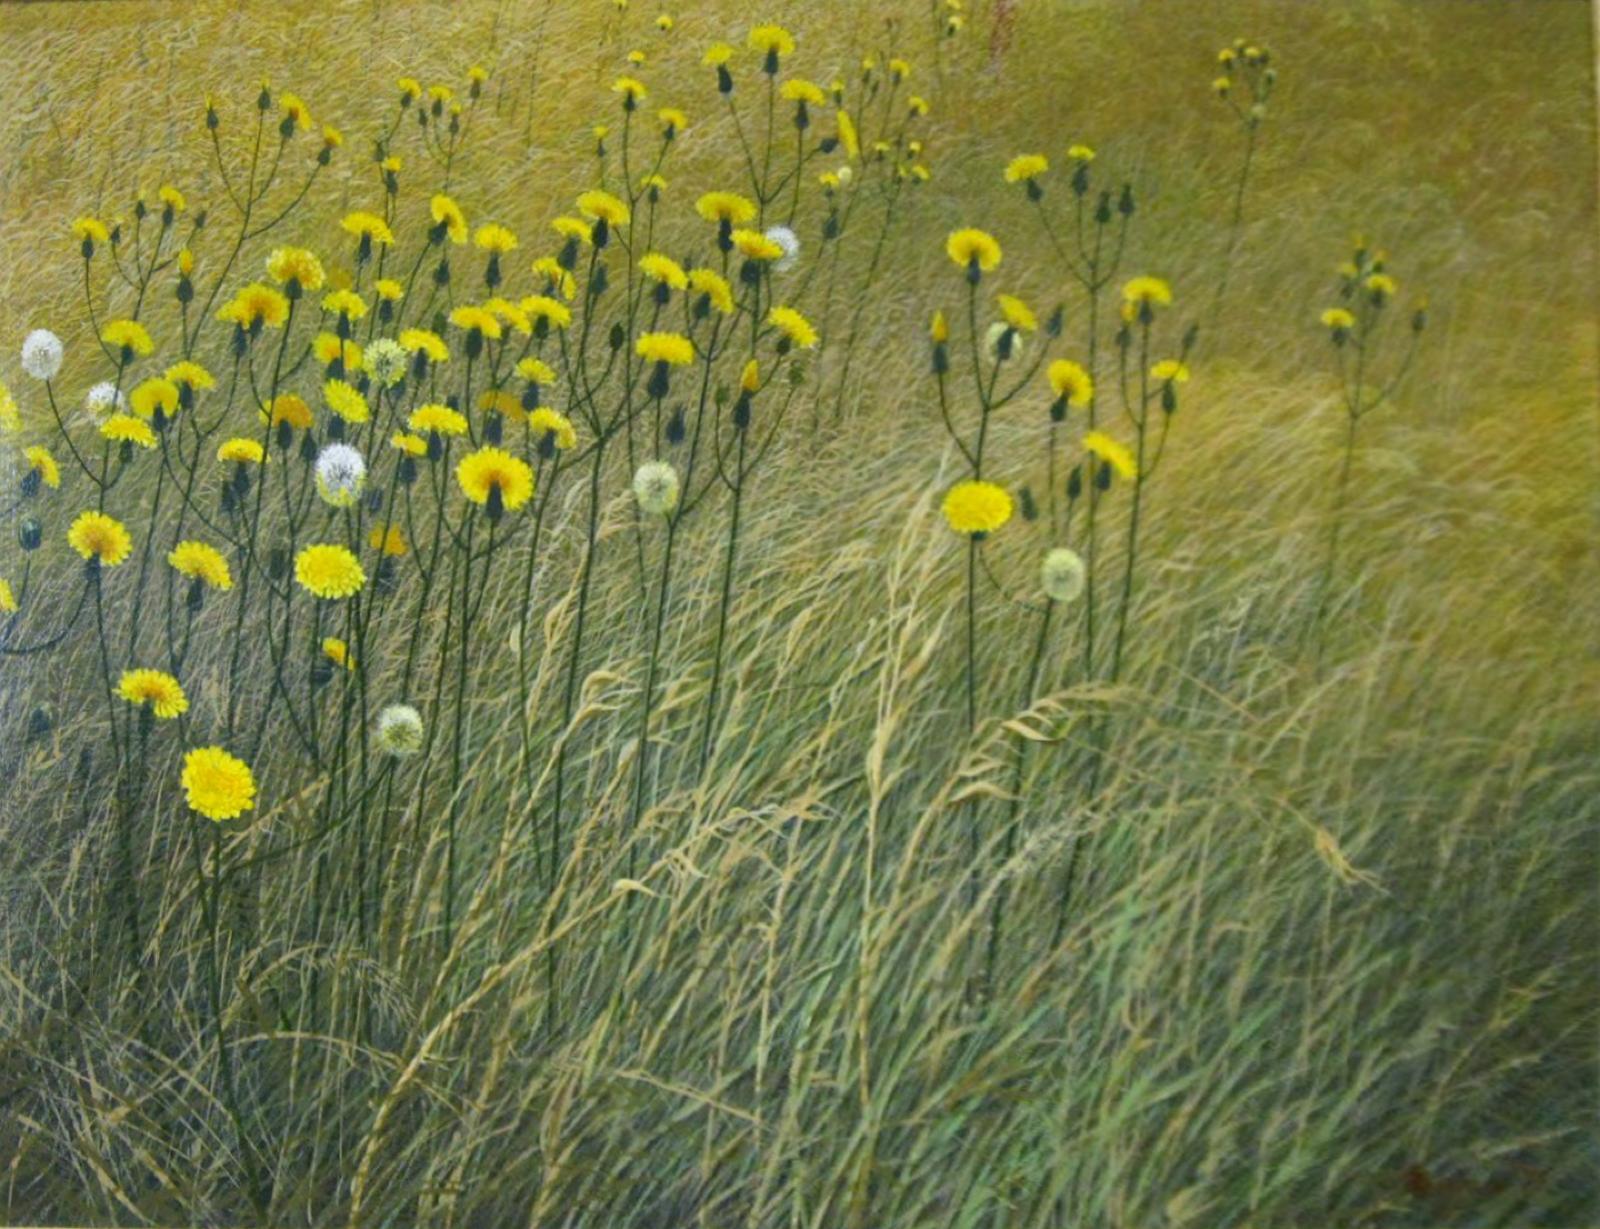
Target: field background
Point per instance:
(1338, 966)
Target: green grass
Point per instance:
(1330, 957)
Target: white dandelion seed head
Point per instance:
(789, 242)
(845, 173)
(655, 486)
(1061, 574)
(41, 354)
(104, 400)
(341, 473)
(991, 342)
(400, 730)
(386, 360)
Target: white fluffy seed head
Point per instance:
(341, 474)
(104, 400)
(789, 242)
(991, 342)
(1061, 574)
(41, 354)
(655, 486)
(400, 730)
(386, 361)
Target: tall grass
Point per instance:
(1327, 959)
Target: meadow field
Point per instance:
(887, 614)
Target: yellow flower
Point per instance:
(545, 421)
(631, 89)
(492, 237)
(714, 287)
(1070, 382)
(1339, 319)
(673, 121)
(499, 401)
(388, 289)
(364, 225)
(771, 40)
(446, 213)
(296, 265)
(573, 228)
(171, 198)
(717, 55)
(794, 326)
(287, 407)
(508, 312)
(345, 303)
(127, 336)
(332, 137)
(254, 303)
(972, 248)
(1170, 369)
(536, 371)
(1147, 291)
(939, 328)
(750, 377)
(241, 451)
(1080, 153)
(200, 561)
(328, 571)
(94, 535)
(671, 348)
(296, 110)
(467, 318)
(798, 89)
(346, 401)
(753, 245)
(410, 88)
(8, 599)
(478, 73)
(329, 346)
(725, 207)
(976, 507)
(602, 205)
(91, 229)
(440, 418)
(652, 182)
(411, 445)
(387, 539)
(153, 687)
(441, 93)
(1381, 286)
(154, 394)
(338, 652)
(217, 785)
(185, 262)
(1017, 313)
(40, 460)
(543, 307)
(899, 69)
(1101, 445)
(919, 105)
(1026, 167)
(426, 341)
(488, 470)
(847, 133)
(664, 22)
(663, 269)
(125, 428)
(190, 373)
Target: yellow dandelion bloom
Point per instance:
(159, 690)
(673, 348)
(328, 347)
(1071, 382)
(128, 336)
(426, 342)
(411, 445)
(1339, 319)
(545, 421)
(492, 237)
(346, 401)
(287, 407)
(329, 571)
(725, 207)
(798, 89)
(1116, 455)
(217, 785)
(794, 326)
(296, 265)
(970, 247)
(389, 290)
(345, 303)
(1170, 369)
(1151, 291)
(603, 206)
(1017, 313)
(536, 371)
(40, 460)
(91, 229)
(156, 393)
(750, 377)
(364, 225)
(296, 110)
(769, 40)
(543, 307)
(717, 55)
(663, 269)
(631, 89)
(488, 470)
(171, 198)
(467, 318)
(1026, 167)
(1080, 153)
(440, 418)
(847, 133)
(446, 213)
(387, 540)
(190, 373)
(255, 303)
(94, 535)
(338, 652)
(573, 228)
(753, 245)
(714, 286)
(8, 599)
(939, 327)
(126, 429)
(241, 451)
(203, 562)
(1381, 285)
(673, 121)
(975, 507)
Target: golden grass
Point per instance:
(1333, 961)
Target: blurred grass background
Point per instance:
(1238, 1029)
